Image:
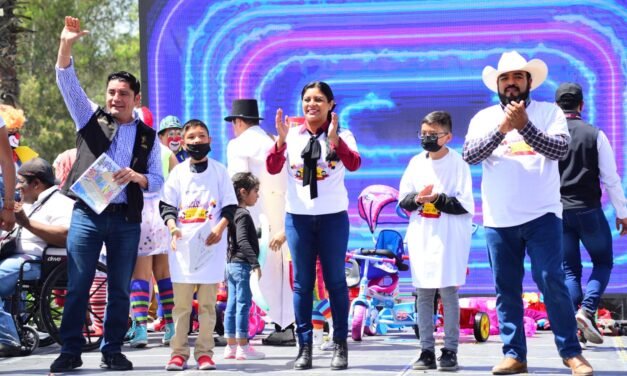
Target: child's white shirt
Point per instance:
(439, 243)
(199, 198)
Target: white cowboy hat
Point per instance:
(512, 61)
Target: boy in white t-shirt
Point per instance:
(197, 204)
(437, 189)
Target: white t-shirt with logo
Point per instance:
(519, 184)
(332, 193)
(199, 198)
(439, 243)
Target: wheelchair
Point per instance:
(37, 305)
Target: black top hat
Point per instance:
(244, 109)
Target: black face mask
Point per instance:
(198, 151)
(430, 143)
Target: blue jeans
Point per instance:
(9, 273)
(309, 237)
(239, 300)
(591, 228)
(542, 237)
(88, 231)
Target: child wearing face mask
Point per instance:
(436, 188)
(197, 204)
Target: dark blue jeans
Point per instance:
(88, 231)
(239, 300)
(590, 227)
(542, 238)
(309, 237)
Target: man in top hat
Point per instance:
(519, 142)
(43, 218)
(170, 134)
(247, 153)
(588, 163)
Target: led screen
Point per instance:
(389, 64)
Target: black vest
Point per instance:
(579, 171)
(95, 138)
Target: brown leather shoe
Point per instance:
(509, 366)
(579, 365)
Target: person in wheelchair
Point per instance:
(42, 219)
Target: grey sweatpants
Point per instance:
(450, 301)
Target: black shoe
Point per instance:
(303, 360)
(340, 355)
(219, 341)
(280, 337)
(65, 363)
(116, 362)
(7, 351)
(448, 361)
(426, 361)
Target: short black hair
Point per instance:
(194, 123)
(245, 180)
(568, 103)
(441, 118)
(123, 76)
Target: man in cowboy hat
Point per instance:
(589, 162)
(247, 153)
(520, 142)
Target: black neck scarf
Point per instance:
(310, 154)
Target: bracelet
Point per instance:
(173, 230)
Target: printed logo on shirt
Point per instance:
(515, 148)
(196, 212)
(321, 172)
(429, 211)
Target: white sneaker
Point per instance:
(587, 324)
(318, 337)
(327, 345)
(230, 351)
(248, 353)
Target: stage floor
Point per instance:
(391, 354)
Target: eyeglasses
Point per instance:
(435, 136)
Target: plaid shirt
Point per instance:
(552, 147)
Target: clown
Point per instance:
(14, 120)
(170, 135)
